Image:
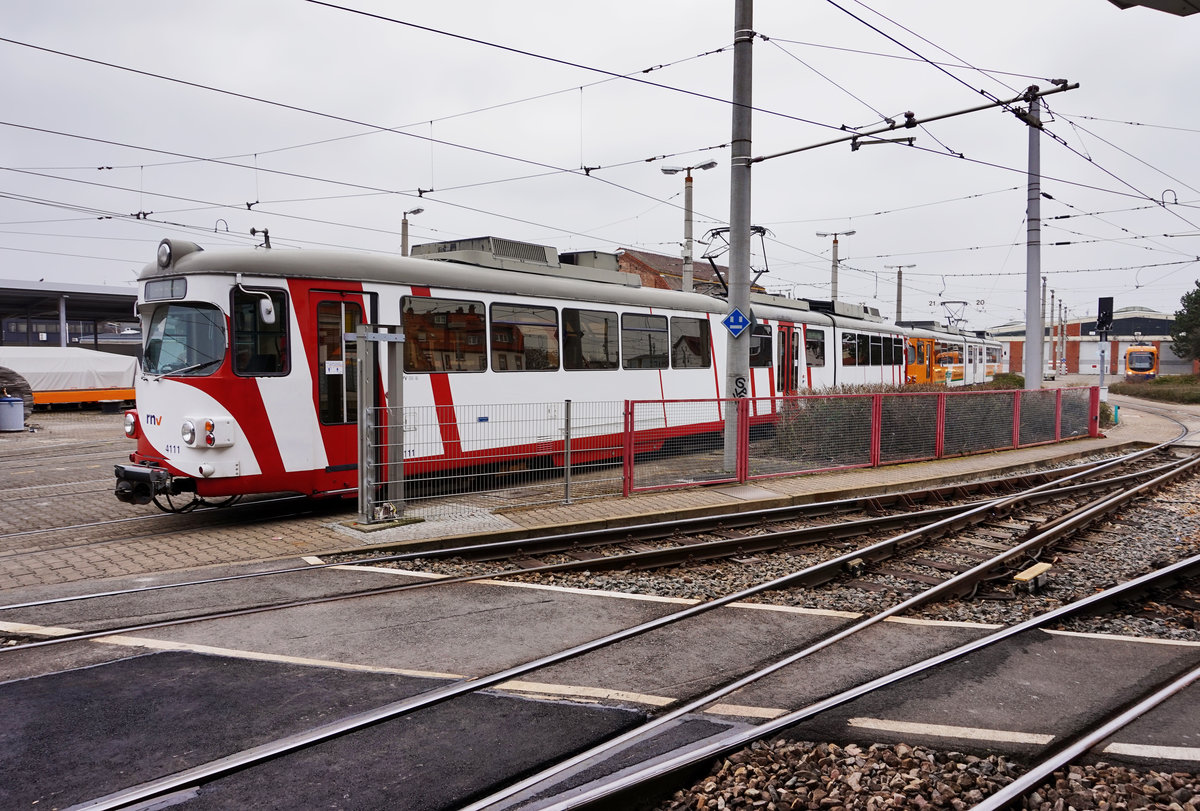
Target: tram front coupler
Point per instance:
(139, 484)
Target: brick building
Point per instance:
(1083, 348)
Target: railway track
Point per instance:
(626, 548)
(614, 791)
(826, 572)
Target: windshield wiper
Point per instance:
(183, 369)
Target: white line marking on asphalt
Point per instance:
(1117, 637)
(944, 731)
(575, 691)
(1155, 752)
(142, 642)
(744, 711)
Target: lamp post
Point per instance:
(686, 284)
(404, 229)
(833, 272)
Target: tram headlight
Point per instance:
(188, 432)
(131, 424)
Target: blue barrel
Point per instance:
(12, 414)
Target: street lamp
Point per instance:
(686, 285)
(404, 229)
(833, 273)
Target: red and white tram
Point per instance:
(248, 385)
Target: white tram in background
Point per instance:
(248, 386)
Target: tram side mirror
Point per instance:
(266, 310)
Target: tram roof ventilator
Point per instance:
(846, 310)
(525, 257)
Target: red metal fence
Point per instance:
(785, 436)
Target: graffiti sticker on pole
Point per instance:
(736, 322)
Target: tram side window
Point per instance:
(897, 350)
(259, 349)
(644, 341)
(850, 349)
(185, 339)
(814, 347)
(946, 354)
(876, 350)
(524, 338)
(760, 347)
(443, 335)
(590, 339)
(690, 347)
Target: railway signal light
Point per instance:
(1104, 313)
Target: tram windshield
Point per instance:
(1141, 361)
(185, 339)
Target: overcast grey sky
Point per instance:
(322, 124)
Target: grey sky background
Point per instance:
(127, 121)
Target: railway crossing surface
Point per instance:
(85, 719)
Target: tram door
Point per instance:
(335, 379)
(787, 381)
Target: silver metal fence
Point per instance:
(675, 443)
(508, 455)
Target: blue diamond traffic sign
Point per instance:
(736, 322)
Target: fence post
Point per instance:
(939, 445)
(1058, 415)
(365, 369)
(743, 440)
(1094, 412)
(566, 451)
(876, 428)
(627, 452)
(395, 421)
(1016, 426)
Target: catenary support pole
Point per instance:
(1033, 249)
(737, 351)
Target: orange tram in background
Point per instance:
(1141, 363)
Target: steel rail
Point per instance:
(213, 769)
(557, 542)
(737, 740)
(956, 518)
(561, 541)
(1084, 743)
